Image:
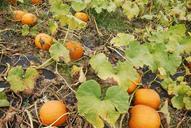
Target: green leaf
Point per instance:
(181, 89)
(185, 46)
(94, 109)
(171, 38)
(130, 9)
(169, 61)
(177, 102)
(20, 80)
(53, 26)
(25, 30)
(3, 100)
(187, 102)
(139, 55)
(78, 5)
(71, 21)
(124, 80)
(105, 70)
(34, 31)
(59, 52)
(58, 8)
(122, 39)
(118, 98)
(102, 66)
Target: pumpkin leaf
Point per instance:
(78, 5)
(122, 39)
(105, 70)
(96, 110)
(59, 52)
(20, 80)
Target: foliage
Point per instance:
(122, 39)
(59, 52)
(62, 13)
(181, 93)
(163, 51)
(95, 109)
(21, 80)
(164, 12)
(105, 70)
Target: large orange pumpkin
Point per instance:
(142, 116)
(52, 111)
(147, 97)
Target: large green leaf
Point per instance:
(169, 61)
(20, 80)
(123, 73)
(102, 66)
(59, 8)
(95, 110)
(139, 55)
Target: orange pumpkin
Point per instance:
(18, 15)
(52, 111)
(76, 50)
(147, 97)
(43, 41)
(29, 19)
(82, 16)
(133, 86)
(142, 116)
(36, 1)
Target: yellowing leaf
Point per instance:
(122, 39)
(59, 52)
(130, 9)
(164, 109)
(20, 80)
(102, 66)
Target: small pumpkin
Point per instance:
(82, 16)
(36, 2)
(133, 85)
(29, 19)
(18, 15)
(76, 50)
(43, 41)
